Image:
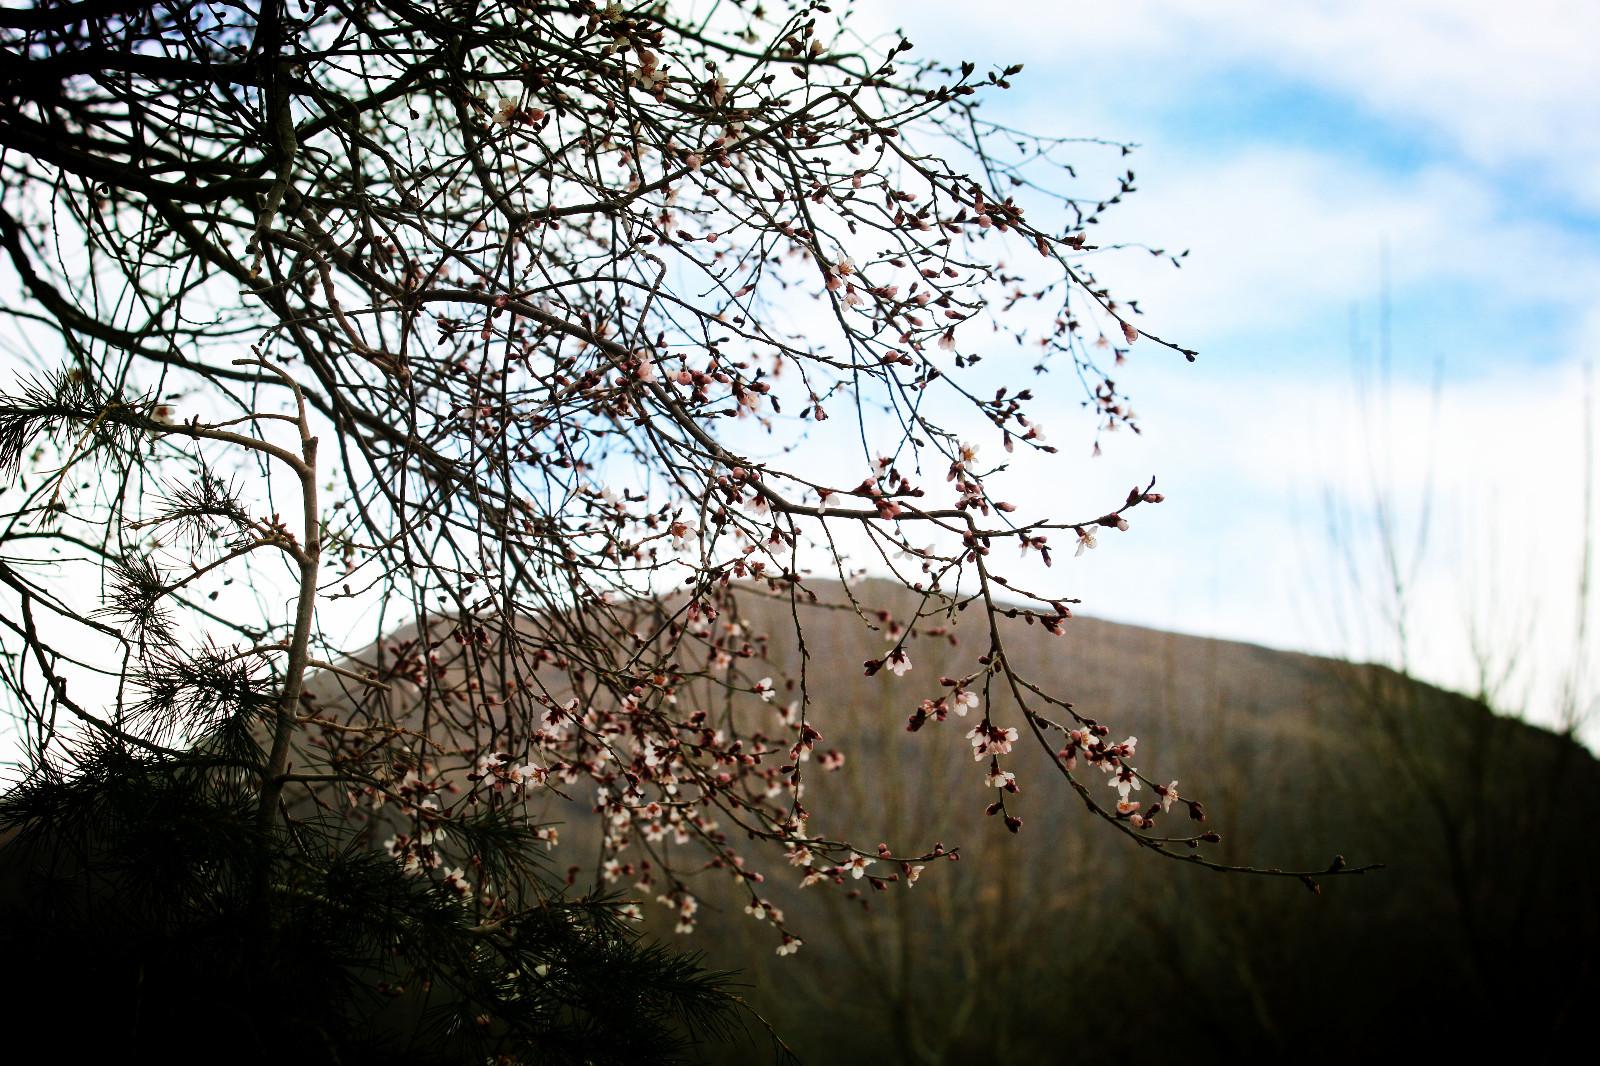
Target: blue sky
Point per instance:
(1304, 153)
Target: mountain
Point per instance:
(1065, 938)
(1484, 922)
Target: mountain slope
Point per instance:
(1034, 942)
(1484, 921)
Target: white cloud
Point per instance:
(1508, 88)
(1278, 235)
(1254, 468)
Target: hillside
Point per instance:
(1034, 943)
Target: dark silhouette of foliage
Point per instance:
(142, 892)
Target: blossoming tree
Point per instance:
(442, 377)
